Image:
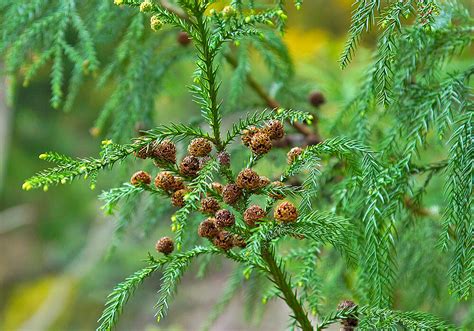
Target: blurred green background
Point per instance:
(57, 265)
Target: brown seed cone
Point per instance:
(189, 166)
(203, 161)
(253, 214)
(177, 199)
(140, 177)
(164, 151)
(217, 187)
(293, 154)
(199, 147)
(264, 181)
(248, 179)
(276, 195)
(351, 322)
(208, 229)
(286, 212)
(316, 99)
(275, 130)
(224, 218)
(165, 245)
(209, 205)
(224, 158)
(260, 143)
(239, 241)
(166, 181)
(224, 240)
(183, 38)
(248, 134)
(231, 193)
(144, 152)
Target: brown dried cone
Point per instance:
(208, 229)
(189, 166)
(224, 240)
(276, 195)
(316, 99)
(203, 161)
(286, 212)
(224, 158)
(275, 130)
(253, 214)
(293, 154)
(166, 181)
(165, 245)
(248, 179)
(248, 134)
(144, 152)
(209, 206)
(199, 147)
(224, 218)
(239, 241)
(260, 143)
(164, 152)
(217, 187)
(351, 322)
(264, 181)
(183, 38)
(177, 199)
(140, 177)
(231, 193)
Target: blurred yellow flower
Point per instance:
(304, 44)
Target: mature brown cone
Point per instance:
(293, 154)
(209, 205)
(264, 181)
(144, 152)
(164, 151)
(316, 99)
(248, 179)
(208, 229)
(167, 182)
(217, 187)
(239, 241)
(140, 177)
(189, 166)
(199, 147)
(224, 240)
(177, 199)
(248, 134)
(350, 323)
(276, 195)
(223, 158)
(286, 212)
(253, 214)
(224, 218)
(261, 143)
(165, 245)
(231, 193)
(275, 130)
(183, 38)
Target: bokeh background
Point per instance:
(59, 259)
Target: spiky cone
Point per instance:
(253, 214)
(275, 194)
(208, 229)
(199, 147)
(248, 134)
(224, 240)
(177, 198)
(224, 218)
(183, 38)
(167, 182)
(223, 158)
(189, 166)
(209, 206)
(264, 181)
(316, 99)
(275, 130)
(293, 154)
(350, 323)
(231, 193)
(239, 241)
(286, 212)
(165, 245)
(261, 143)
(164, 152)
(140, 178)
(248, 179)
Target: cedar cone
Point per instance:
(275, 194)
(209, 206)
(189, 166)
(183, 38)
(248, 179)
(293, 154)
(316, 99)
(351, 322)
(224, 218)
(207, 228)
(199, 147)
(146, 6)
(224, 240)
(177, 199)
(260, 143)
(144, 152)
(253, 214)
(164, 152)
(264, 181)
(286, 212)
(275, 130)
(248, 134)
(231, 193)
(239, 241)
(165, 245)
(155, 23)
(217, 187)
(166, 181)
(140, 177)
(203, 161)
(224, 158)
